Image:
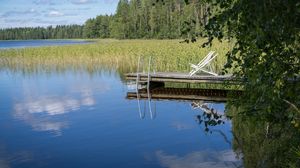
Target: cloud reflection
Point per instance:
(201, 159)
(40, 113)
(53, 105)
(7, 159)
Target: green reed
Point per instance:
(120, 55)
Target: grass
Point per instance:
(120, 55)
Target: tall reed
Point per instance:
(120, 55)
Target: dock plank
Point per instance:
(181, 77)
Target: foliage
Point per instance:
(58, 32)
(265, 53)
(266, 56)
(152, 19)
(97, 27)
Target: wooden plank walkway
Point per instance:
(177, 77)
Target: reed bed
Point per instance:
(120, 55)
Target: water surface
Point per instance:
(5, 44)
(76, 119)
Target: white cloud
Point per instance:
(78, 2)
(32, 10)
(201, 159)
(111, 1)
(55, 14)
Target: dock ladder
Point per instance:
(142, 114)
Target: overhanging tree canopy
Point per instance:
(265, 54)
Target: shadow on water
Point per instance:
(263, 142)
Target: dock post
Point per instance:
(142, 115)
(148, 88)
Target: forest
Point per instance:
(150, 19)
(161, 19)
(57, 32)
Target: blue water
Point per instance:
(37, 43)
(75, 120)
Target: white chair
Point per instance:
(203, 63)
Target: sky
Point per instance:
(33, 13)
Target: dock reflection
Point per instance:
(182, 94)
(203, 100)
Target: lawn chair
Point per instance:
(203, 63)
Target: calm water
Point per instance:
(37, 43)
(74, 119)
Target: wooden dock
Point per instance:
(175, 77)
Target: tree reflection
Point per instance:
(209, 117)
(262, 142)
(262, 136)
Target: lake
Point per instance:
(5, 44)
(75, 119)
(71, 107)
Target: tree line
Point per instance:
(133, 19)
(57, 32)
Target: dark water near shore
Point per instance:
(38, 43)
(74, 119)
